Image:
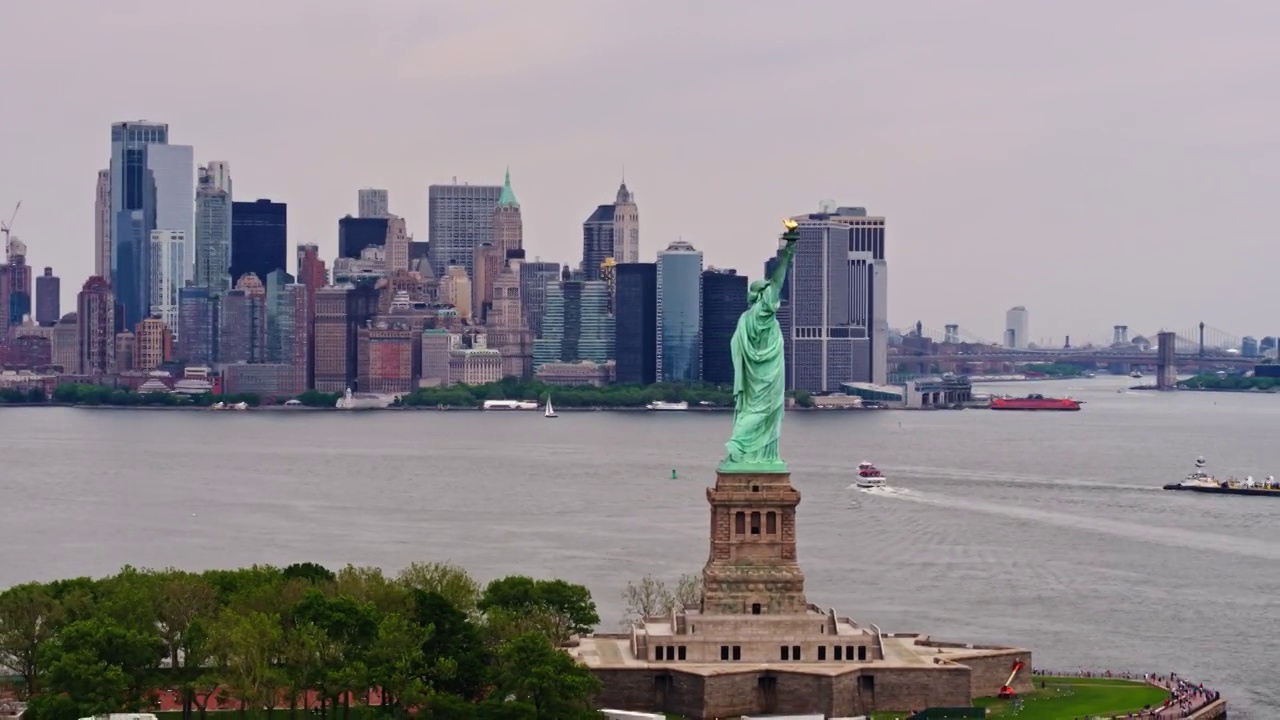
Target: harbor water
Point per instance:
(1048, 530)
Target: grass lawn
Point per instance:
(1068, 698)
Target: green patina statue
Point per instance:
(759, 380)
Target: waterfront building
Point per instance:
(577, 374)
(724, 299)
(373, 203)
(96, 325)
(534, 278)
(126, 349)
(330, 352)
(836, 317)
(679, 300)
(259, 238)
(264, 379)
(48, 298)
(1015, 327)
(386, 353)
(577, 325)
(213, 228)
(505, 326)
(475, 365)
(636, 319)
(168, 273)
(460, 218)
(154, 344)
(29, 349)
(197, 340)
(66, 343)
(437, 343)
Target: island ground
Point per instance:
(1068, 698)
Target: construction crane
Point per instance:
(6, 227)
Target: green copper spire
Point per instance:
(508, 198)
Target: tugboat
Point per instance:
(1200, 481)
(868, 476)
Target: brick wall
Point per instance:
(991, 671)
(916, 689)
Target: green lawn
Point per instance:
(1069, 698)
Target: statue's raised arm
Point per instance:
(759, 377)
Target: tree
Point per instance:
(688, 591)
(27, 616)
(102, 665)
(396, 664)
(309, 572)
(446, 579)
(645, 599)
(567, 609)
(251, 645)
(537, 673)
(454, 655)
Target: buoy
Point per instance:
(673, 473)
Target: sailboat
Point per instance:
(550, 412)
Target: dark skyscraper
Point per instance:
(636, 313)
(357, 233)
(258, 238)
(534, 277)
(597, 241)
(724, 299)
(48, 301)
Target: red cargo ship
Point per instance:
(1034, 402)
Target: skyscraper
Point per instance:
(724, 299)
(460, 218)
(168, 268)
(172, 169)
(397, 244)
(15, 287)
(1015, 327)
(259, 238)
(242, 335)
(679, 335)
(95, 310)
(636, 318)
(597, 241)
(133, 196)
(508, 225)
(48, 298)
(506, 327)
(197, 327)
(331, 372)
(356, 234)
(372, 203)
(213, 228)
(837, 310)
(626, 226)
(534, 277)
(102, 222)
(577, 324)
(154, 344)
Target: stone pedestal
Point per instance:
(752, 567)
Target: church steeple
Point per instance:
(508, 197)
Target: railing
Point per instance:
(879, 641)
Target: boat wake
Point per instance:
(1171, 537)
(1013, 479)
(882, 490)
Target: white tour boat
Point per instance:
(509, 405)
(869, 476)
(660, 405)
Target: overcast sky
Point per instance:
(1098, 162)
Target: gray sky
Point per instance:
(1098, 162)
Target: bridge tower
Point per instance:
(1166, 361)
(951, 334)
(1119, 334)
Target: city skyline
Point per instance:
(1062, 171)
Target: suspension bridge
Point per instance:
(1202, 344)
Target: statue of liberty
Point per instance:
(759, 379)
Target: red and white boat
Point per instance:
(869, 476)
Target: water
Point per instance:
(1046, 530)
